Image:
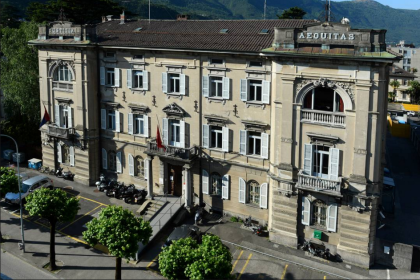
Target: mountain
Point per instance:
(400, 23)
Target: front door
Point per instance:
(175, 180)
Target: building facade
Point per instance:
(283, 120)
(403, 77)
(410, 56)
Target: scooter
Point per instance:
(59, 172)
(103, 182)
(128, 193)
(111, 184)
(68, 175)
(114, 191)
(258, 230)
(140, 196)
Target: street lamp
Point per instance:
(20, 195)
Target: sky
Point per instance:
(398, 4)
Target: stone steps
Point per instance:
(153, 208)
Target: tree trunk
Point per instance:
(52, 245)
(118, 268)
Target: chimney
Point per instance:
(122, 18)
(182, 17)
(109, 17)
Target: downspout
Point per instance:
(200, 107)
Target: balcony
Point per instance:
(183, 154)
(62, 86)
(323, 118)
(60, 132)
(318, 184)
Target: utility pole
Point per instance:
(149, 12)
(265, 8)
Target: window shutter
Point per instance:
(206, 132)
(145, 80)
(265, 141)
(71, 155)
(57, 114)
(306, 211)
(243, 135)
(119, 164)
(263, 196)
(59, 159)
(117, 77)
(130, 123)
(129, 78)
(146, 121)
(244, 89)
(103, 119)
(266, 87)
(332, 217)
(182, 84)
(242, 190)
(146, 169)
(165, 124)
(226, 88)
(225, 142)
(102, 74)
(182, 133)
(104, 159)
(130, 165)
(206, 86)
(117, 121)
(70, 116)
(165, 82)
(205, 182)
(334, 163)
(307, 162)
(225, 187)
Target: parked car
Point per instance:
(183, 231)
(28, 186)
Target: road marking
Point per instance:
(387, 274)
(81, 217)
(243, 268)
(325, 277)
(147, 267)
(97, 202)
(284, 272)
(233, 267)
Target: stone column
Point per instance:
(187, 194)
(149, 177)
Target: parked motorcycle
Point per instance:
(198, 218)
(115, 190)
(102, 183)
(258, 230)
(128, 193)
(59, 172)
(68, 175)
(139, 196)
(106, 187)
(248, 222)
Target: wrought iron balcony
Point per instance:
(318, 184)
(60, 132)
(323, 118)
(187, 154)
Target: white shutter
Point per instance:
(225, 187)
(57, 114)
(119, 164)
(71, 155)
(265, 141)
(130, 123)
(206, 86)
(165, 124)
(182, 86)
(243, 135)
(146, 120)
(263, 195)
(145, 80)
(306, 211)
(266, 86)
(225, 141)
(70, 116)
(205, 182)
(226, 88)
(117, 76)
(334, 163)
(104, 159)
(307, 161)
(129, 78)
(332, 217)
(242, 190)
(130, 165)
(102, 75)
(117, 121)
(59, 159)
(244, 89)
(206, 132)
(103, 118)
(182, 133)
(146, 169)
(165, 82)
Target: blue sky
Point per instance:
(399, 4)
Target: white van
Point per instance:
(29, 186)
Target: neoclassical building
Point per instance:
(283, 120)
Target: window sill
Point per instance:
(137, 89)
(174, 95)
(216, 150)
(139, 178)
(251, 205)
(216, 99)
(255, 157)
(319, 228)
(60, 89)
(255, 104)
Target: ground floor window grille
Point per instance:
(319, 213)
(216, 184)
(254, 192)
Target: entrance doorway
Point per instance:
(175, 180)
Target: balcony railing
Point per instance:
(60, 132)
(175, 152)
(62, 86)
(318, 184)
(323, 118)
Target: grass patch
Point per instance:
(235, 219)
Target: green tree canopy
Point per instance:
(414, 91)
(120, 231)
(185, 259)
(292, 13)
(8, 181)
(9, 15)
(55, 206)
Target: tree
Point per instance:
(8, 181)
(120, 231)
(9, 16)
(414, 91)
(292, 13)
(414, 70)
(395, 85)
(185, 259)
(55, 206)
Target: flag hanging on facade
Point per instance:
(159, 139)
(46, 118)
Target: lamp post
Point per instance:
(20, 195)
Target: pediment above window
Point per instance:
(255, 126)
(216, 120)
(138, 108)
(315, 137)
(174, 110)
(111, 105)
(64, 101)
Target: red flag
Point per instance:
(159, 140)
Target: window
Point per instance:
(63, 116)
(400, 51)
(112, 161)
(216, 139)
(174, 83)
(216, 184)
(137, 79)
(254, 143)
(319, 213)
(255, 90)
(254, 192)
(216, 86)
(109, 55)
(63, 74)
(255, 64)
(111, 119)
(65, 154)
(110, 76)
(405, 82)
(324, 99)
(216, 60)
(175, 133)
(139, 124)
(139, 169)
(138, 56)
(404, 95)
(408, 60)
(321, 161)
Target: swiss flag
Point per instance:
(159, 140)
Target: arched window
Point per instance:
(216, 184)
(319, 213)
(254, 192)
(112, 161)
(139, 167)
(63, 74)
(323, 99)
